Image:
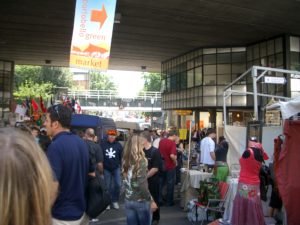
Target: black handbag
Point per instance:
(264, 176)
(98, 197)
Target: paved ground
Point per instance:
(169, 216)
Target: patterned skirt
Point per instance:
(247, 207)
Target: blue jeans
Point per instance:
(113, 183)
(138, 213)
(168, 177)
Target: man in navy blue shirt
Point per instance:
(69, 159)
(112, 152)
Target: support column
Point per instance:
(183, 122)
(178, 125)
(213, 117)
(197, 118)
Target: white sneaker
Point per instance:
(115, 205)
(108, 207)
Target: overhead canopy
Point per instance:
(288, 109)
(149, 32)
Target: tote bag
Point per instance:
(98, 197)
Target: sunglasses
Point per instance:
(56, 109)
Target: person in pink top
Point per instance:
(247, 207)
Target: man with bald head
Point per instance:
(95, 151)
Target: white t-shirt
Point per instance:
(155, 143)
(207, 146)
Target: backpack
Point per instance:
(162, 167)
(98, 197)
(92, 153)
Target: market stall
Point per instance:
(191, 182)
(289, 158)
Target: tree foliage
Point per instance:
(57, 76)
(34, 90)
(152, 81)
(101, 81)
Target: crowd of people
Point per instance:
(56, 178)
(49, 187)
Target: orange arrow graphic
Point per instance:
(99, 16)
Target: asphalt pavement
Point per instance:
(169, 216)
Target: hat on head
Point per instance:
(253, 144)
(111, 132)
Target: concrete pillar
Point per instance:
(183, 121)
(213, 118)
(178, 125)
(197, 118)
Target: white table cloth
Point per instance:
(190, 182)
(233, 186)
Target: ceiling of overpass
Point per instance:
(32, 31)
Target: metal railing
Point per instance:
(109, 94)
(146, 95)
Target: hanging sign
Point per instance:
(275, 80)
(92, 34)
(184, 112)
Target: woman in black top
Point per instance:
(221, 167)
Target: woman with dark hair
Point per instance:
(221, 167)
(247, 207)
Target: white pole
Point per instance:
(224, 109)
(255, 100)
(190, 143)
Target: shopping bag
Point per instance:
(98, 197)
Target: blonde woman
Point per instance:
(25, 180)
(138, 200)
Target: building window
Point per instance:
(270, 47)
(210, 69)
(210, 59)
(224, 79)
(263, 49)
(224, 68)
(198, 76)
(294, 44)
(238, 57)
(209, 101)
(209, 80)
(209, 51)
(190, 78)
(209, 91)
